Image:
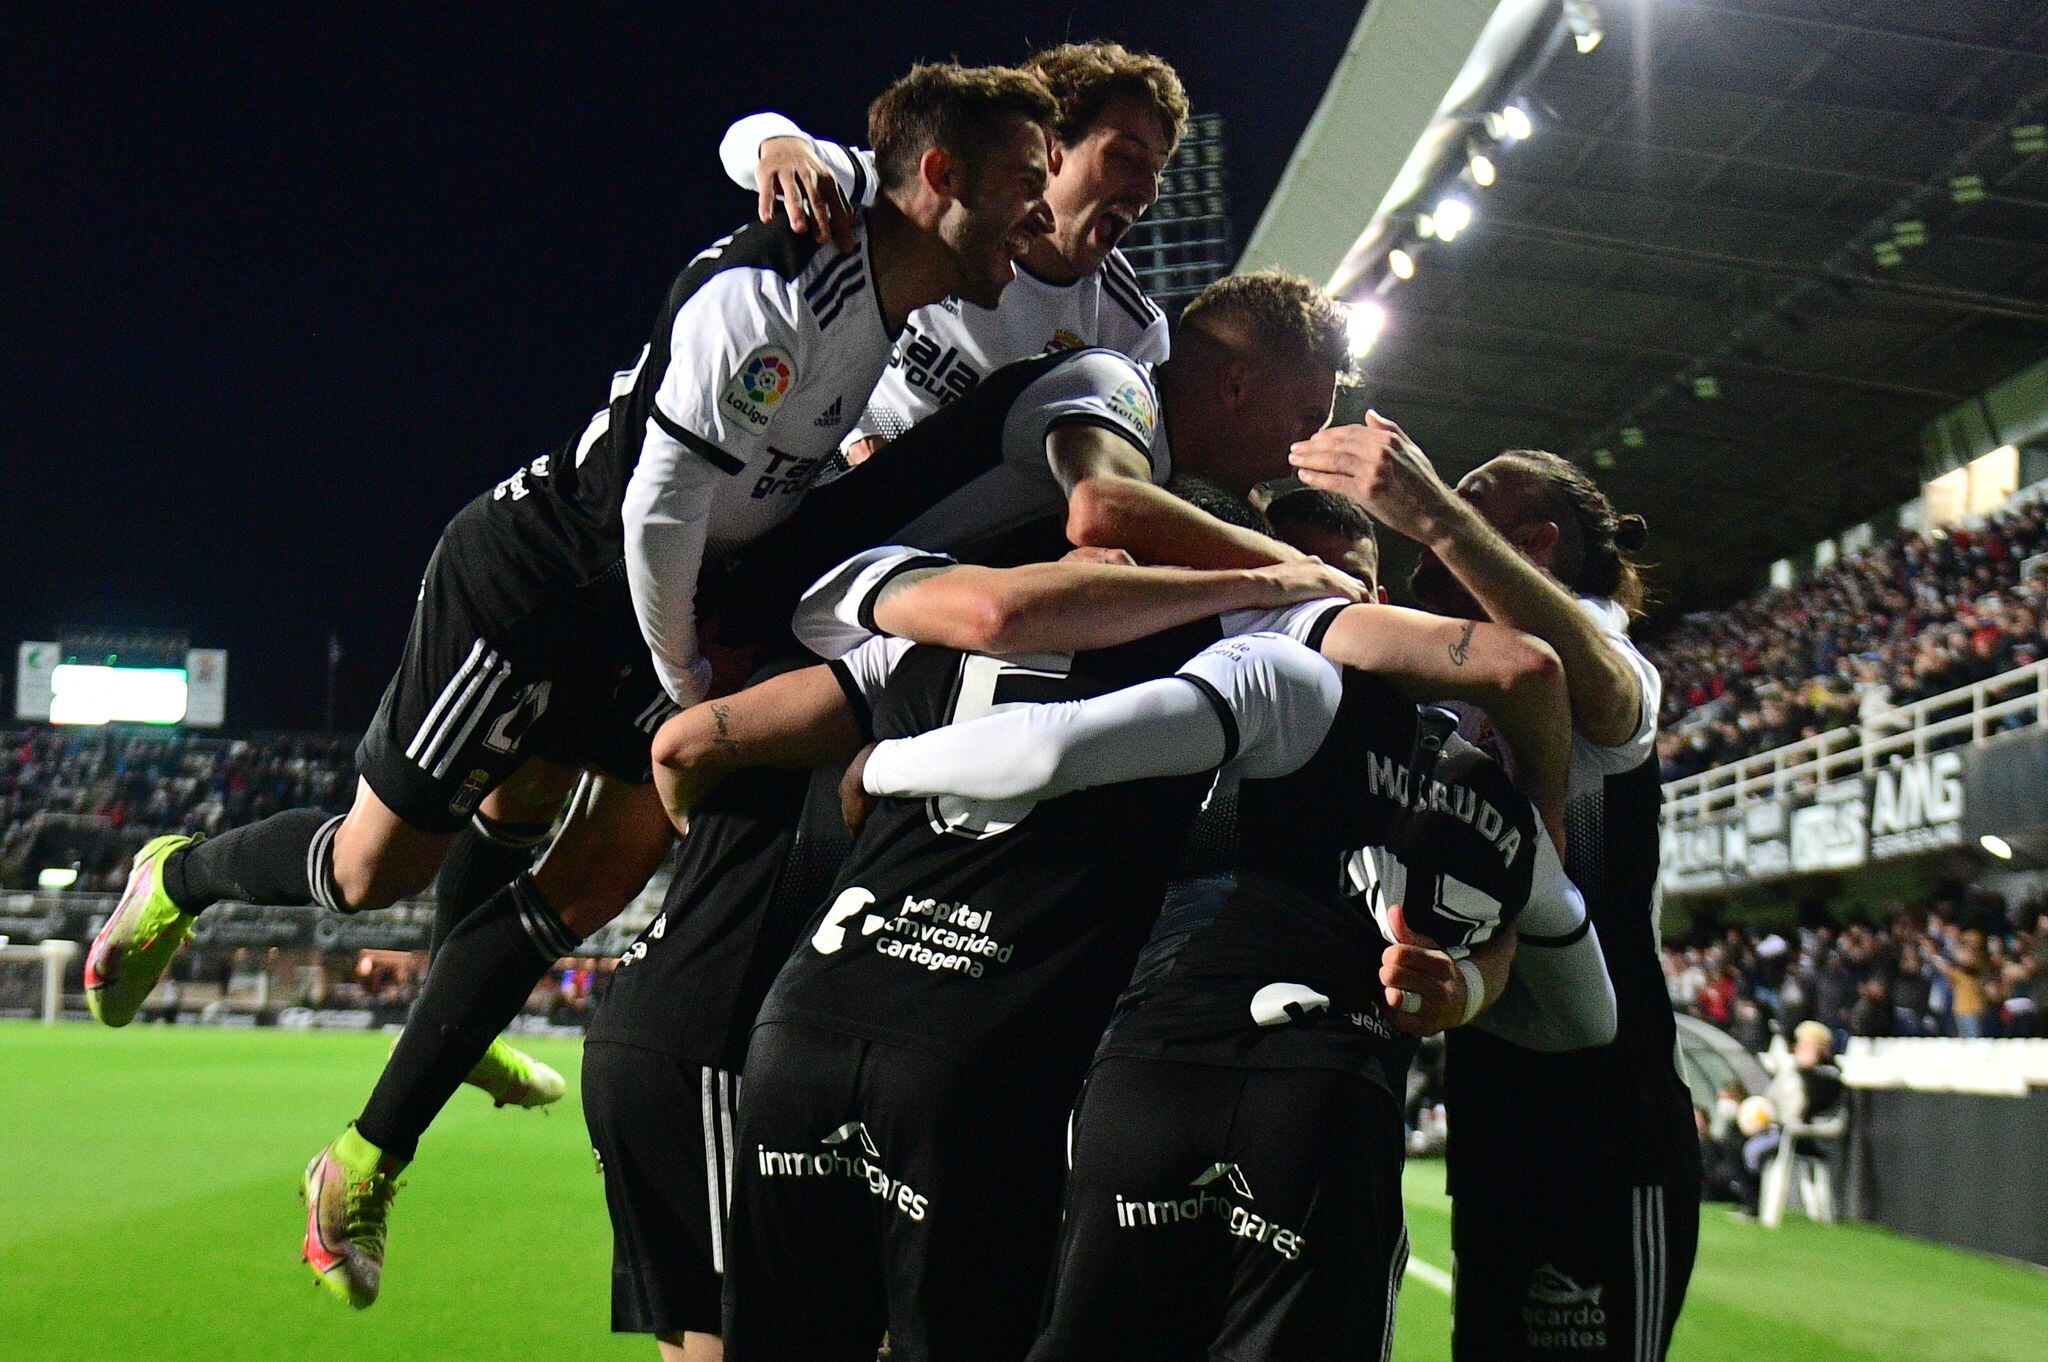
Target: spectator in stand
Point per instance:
(1966, 964)
(124, 788)
(1905, 619)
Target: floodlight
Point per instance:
(1453, 215)
(1366, 322)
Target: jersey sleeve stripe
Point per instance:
(1085, 418)
(863, 717)
(831, 277)
(838, 304)
(697, 444)
(1223, 714)
(860, 179)
(1141, 311)
(1320, 630)
(866, 610)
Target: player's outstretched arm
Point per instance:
(800, 718)
(1073, 607)
(1112, 502)
(1558, 996)
(1515, 677)
(1379, 467)
(1260, 701)
(821, 184)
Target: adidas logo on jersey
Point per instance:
(831, 416)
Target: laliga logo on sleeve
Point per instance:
(1134, 404)
(759, 385)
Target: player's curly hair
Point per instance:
(1283, 314)
(1084, 77)
(964, 109)
(1599, 544)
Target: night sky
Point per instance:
(282, 291)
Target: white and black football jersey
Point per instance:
(973, 480)
(964, 928)
(1619, 1111)
(763, 354)
(947, 349)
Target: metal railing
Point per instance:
(1965, 715)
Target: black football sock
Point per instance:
(286, 859)
(475, 987)
(483, 860)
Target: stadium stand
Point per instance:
(1968, 965)
(88, 798)
(1914, 616)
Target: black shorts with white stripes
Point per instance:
(1571, 1270)
(492, 676)
(662, 1132)
(880, 1189)
(1225, 1212)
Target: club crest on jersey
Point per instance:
(1134, 404)
(760, 384)
(1063, 339)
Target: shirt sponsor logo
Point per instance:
(515, 486)
(1220, 1190)
(848, 1152)
(942, 372)
(936, 936)
(1561, 1315)
(760, 385)
(1134, 404)
(786, 475)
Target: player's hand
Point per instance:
(1311, 579)
(789, 168)
(855, 803)
(1108, 557)
(863, 449)
(1425, 991)
(1380, 468)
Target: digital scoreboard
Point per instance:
(93, 677)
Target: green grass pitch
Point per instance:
(148, 1208)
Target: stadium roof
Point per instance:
(1749, 250)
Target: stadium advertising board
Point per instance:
(1905, 808)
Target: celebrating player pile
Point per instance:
(1070, 859)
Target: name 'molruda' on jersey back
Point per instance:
(762, 358)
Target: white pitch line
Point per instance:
(1430, 1275)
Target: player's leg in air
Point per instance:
(509, 829)
(613, 840)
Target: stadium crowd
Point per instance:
(89, 798)
(1913, 616)
(1971, 965)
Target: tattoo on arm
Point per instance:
(1462, 649)
(724, 740)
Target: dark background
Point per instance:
(282, 290)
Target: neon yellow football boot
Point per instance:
(514, 1078)
(142, 934)
(348, 1191)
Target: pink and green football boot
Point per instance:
(142, 934)
(348, 1191)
